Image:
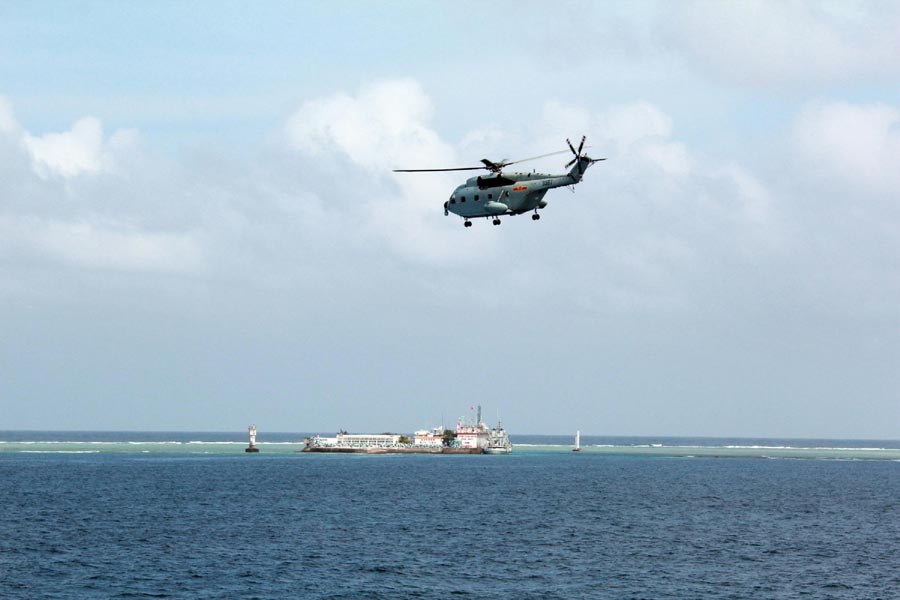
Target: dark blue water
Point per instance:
(530, 525)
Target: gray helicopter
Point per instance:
(509, 193)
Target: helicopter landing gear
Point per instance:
(535, 216)
(468, 223)
(496, 221)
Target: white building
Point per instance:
(359, 440)
(429, 439)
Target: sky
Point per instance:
(200, 227)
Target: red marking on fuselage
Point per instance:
(520, 188)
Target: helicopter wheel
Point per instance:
(496, 221)
(535, 217)
(468, 223)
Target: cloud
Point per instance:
(655, 227)
(786, 43)
(104, 246)
(634, 131)
(51, 215)
(383, 126)
(360, 139)
(855, 145)
(8, 123)
(844, 189)
(308, 256)
(630, 123)
(77, 151)
(645, 157)
(659, 226)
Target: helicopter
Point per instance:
(500, 193)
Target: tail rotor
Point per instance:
(582, 160)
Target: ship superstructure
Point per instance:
(472, 435)
(498, 441)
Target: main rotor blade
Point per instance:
(535, 157)
(488, 164)
(434, 170)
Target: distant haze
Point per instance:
(200, 228)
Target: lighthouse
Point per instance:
(252, 447)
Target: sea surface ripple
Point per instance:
(529, 525)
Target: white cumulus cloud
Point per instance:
(356, 141)
(49, 215)
(382, 126)
(80, 150)
(652, 227)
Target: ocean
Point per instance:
(190, 515)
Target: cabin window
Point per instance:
(476, 197)
(462, 199)
(490, 196)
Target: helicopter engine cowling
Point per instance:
(542, 204)
(495, 208)
(493, 181)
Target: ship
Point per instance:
(498, 441)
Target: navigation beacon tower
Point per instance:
(252, 447)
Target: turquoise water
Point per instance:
(292, 443)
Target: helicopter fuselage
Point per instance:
(504, 194)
